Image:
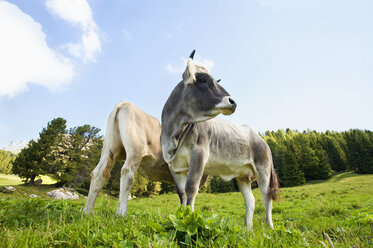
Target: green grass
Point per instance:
(15, 180)
(341, 207)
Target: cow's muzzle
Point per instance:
(227, 106)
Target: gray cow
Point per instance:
(194, 144)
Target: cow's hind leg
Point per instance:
(99, 176)
(126, 180)
(264, 178)
(244, 185)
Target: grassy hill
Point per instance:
(11, 180)
(341, 207)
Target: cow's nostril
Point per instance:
(231, 101)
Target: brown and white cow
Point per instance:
(195, 143)
(134, 136)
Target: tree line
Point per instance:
(66, 155)
(69, 156)
(302, 156)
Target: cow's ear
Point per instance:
(189, 75)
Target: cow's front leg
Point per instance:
(180, 180)
(196, 168)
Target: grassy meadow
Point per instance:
(341, 207)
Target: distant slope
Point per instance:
(15, 180)
(15, 147)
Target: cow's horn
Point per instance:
(192, 54)
(218, 80)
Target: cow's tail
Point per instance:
(274, 185)
(107, 149)
(109, 134)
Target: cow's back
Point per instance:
(143, 129)
(140, 133)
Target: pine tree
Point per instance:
(284, 159)
(288, 168)
(72, 160)
(370, 135)
(334, 152)
(323, 169)
(32, 160)
(353, 150)
(6, 159)
(365, 163)
(27, 163)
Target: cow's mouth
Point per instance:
(227, 111)
(227, 106)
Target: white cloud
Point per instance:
(208, 64)
(73, 48)
(25, 56)
(78, 13)
(173, 69)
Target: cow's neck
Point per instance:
(174, 131)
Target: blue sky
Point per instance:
(287, 63)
